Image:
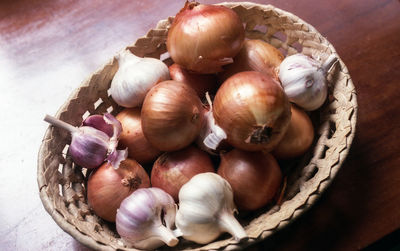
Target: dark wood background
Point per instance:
(48, 47)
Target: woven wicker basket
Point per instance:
(62, 185)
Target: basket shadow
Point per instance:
(338, 210)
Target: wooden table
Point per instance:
(47, 48)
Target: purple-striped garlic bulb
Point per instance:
(140, 218)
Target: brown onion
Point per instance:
(173, 169)
(108, 187)
(255, 55)
(255, 177)
(253, 110)
(171, 115)
(201, 83)
(298, 138)
(133, 138)
(203, 37)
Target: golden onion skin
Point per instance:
(203, 38)
(172, 115)
(255, 55)
(132, 137)
(253, 110)
(298, 137)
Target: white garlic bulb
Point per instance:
(304, 80)
(135, 77)
(206, 209)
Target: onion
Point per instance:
(298, 138)
(171, 115)
(203, 38)
(255, 177)
(108, 187)
(255, 55)
(253, 111)
(173, 169)
(201, 83)
(133, 138)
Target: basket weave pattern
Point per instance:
(62, 184)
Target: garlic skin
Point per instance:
(206, 209)
(138, 219)
(211, 134)
(97, 121)
(135, 77)
(304, 80)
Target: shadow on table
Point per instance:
(327, 223)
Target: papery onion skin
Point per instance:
(203, 38)
(253, 110)
(171, 116)
(108, 187)
(201, 83)
(298, 138)
(173, 169)
(255, 55)
(255, 177)
(133, 138)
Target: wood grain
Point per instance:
(47, 48)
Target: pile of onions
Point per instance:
(173, 169)
(133, 138)
(255, 55)
(298, 138)
(203, 38)
(253, 111)
(248, 124)
(255, 177)
(107, 187)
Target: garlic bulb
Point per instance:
(135, 77)
(90, 147)
(304, 80)
(206, 209)
(139, 219)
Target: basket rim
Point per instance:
(68, 227)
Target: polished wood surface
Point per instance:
(47, 48)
